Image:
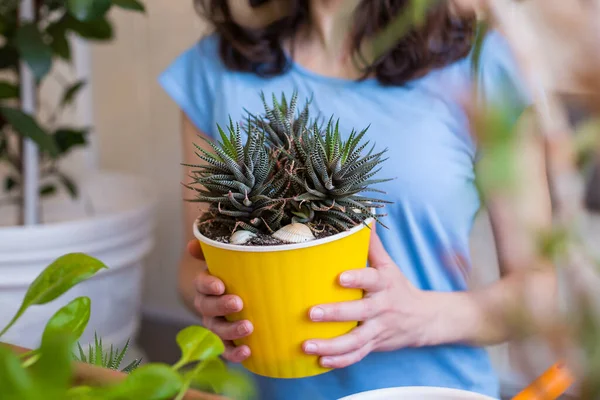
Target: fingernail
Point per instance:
(326, 362)
(215, 287)
(346, 278)
(310, 348)
(243, 329)
(243, 352)
(232, 304)
(316, 314)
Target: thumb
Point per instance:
(378, 256)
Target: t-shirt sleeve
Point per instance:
(499, 78)
(191, 80)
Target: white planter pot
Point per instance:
(113, 220)
(417, 393)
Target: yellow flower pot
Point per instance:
(278, 285)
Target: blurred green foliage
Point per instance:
(40, 44)
(47, 372)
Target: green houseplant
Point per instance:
(49, 371)
(285, 205)
(40, 43)
(48, 198)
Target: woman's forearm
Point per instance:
(487, 316)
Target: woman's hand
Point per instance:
(393, 313)
(213, 305)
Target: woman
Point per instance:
(420, 324)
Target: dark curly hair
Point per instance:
(442, 39)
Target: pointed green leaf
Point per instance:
(27, 127)
(97, 29)
(36, 53)
(198, 343)
(47, 190)
(8, 90)
(60, 276)
(67, 138)
(98, 351)
(82, 356)
(72, 318)
(121, 355)
(133, 5)
(71, 92)
(131, 366)
(69, 184)
(86, 10)
(59, 42)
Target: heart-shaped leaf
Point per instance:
(149, 382)
(86, 10)
(133, 5)
(72, 318)
(213, 375)
(198, 344)
(27, 127)
(36, 53)
(60, 276)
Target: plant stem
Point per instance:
(31, 360)
(184, 389)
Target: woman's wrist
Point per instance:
(454, 317)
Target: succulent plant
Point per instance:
(240, 182)
(280, 122)
(98, 355)
(334, 174)
(287, 173)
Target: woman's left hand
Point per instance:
(393, 313)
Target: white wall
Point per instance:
(137, 125)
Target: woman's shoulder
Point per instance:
(192, 79)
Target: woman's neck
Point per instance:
(323, 46)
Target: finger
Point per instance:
(229, 330)
(236, 354)
(194, 248)
(378, 256)
(345, 360)
(357, 310)
(218, 306)
(368, 279)
(209, 285)
(355, 340)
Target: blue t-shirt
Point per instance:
(432, 155)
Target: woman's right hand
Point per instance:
(213, 305)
